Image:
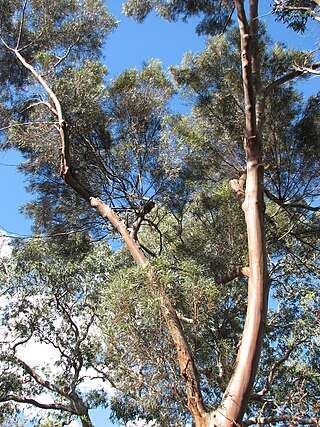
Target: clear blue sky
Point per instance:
(129, 46)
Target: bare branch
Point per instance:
(287, 206)
(106, 212)
(307, 69)
(145, 209)
(20, 399)
(184, 318)
(38, 378)
(34, 104)
(277, 364)
(63, 57)
(40, 79)
(21, 23)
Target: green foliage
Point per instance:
(137, 103)
(92, 305)
(295, 386)
(215, 15)
(80, 25)
(51, 299)
(115, 143)
(296, 13)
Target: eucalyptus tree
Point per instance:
(248, 188)
(119, 154)
(48, 107)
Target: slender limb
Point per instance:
(38, 378)
(63, 57)
(293, 205)
(21, 23)
(19, 399)
(277, 364)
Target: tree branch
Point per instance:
(21, 23)
(239, 271)
(307, 69)
(276, 365)
(247, 72)
(275, 420)
(20, 399)
(63, 57)
(144, 210)
(188, 369)
(38, 377)
(280, 5)
(290, 76)
(290, 205)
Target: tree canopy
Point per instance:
(166, 234)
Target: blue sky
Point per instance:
(129, 46)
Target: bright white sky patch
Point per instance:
(5, 245)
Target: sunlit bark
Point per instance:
(237, 394)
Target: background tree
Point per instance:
(51, 302)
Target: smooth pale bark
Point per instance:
(236, 396)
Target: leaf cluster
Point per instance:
(214, 15)
(296, 13)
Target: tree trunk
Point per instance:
(236, 396)
(187, 365)
(86, 421)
